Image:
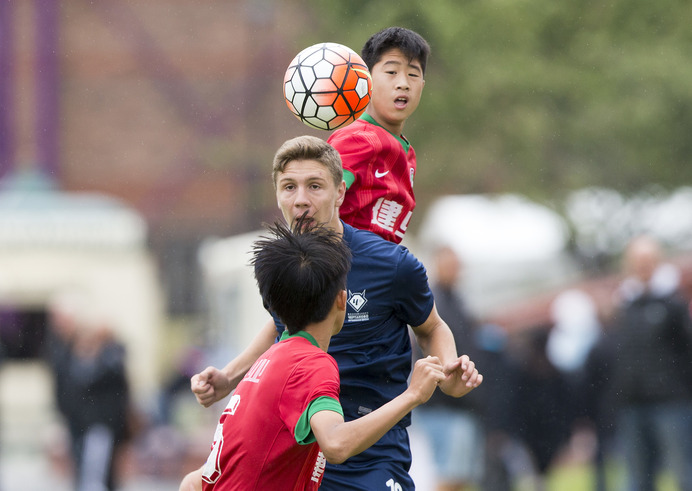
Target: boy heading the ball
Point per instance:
(379, 162)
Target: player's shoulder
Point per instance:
(359, 131)
(369, 244)
(312, 361)
(359, 237)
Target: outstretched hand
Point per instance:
(461, 377)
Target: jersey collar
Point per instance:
(299, 334)
(404, 142)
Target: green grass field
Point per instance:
(581, 478)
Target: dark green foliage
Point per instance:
(541, 97)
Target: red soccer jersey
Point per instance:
(256, 444)
(381, 197)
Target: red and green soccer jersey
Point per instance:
(382, 167)
(263, 439)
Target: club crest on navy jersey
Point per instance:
(357, 300)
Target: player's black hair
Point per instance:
(300, 272)
(410, 43)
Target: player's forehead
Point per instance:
(304, 170)
(394, 57)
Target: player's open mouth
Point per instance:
(400, 102)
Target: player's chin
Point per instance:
(303, 222)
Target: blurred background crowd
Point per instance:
(553, 187)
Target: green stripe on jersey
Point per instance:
(349, 178)
(404, 142)
(303, 432)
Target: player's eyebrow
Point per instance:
(318, 179)
(392, 62)
(307, 179)
(412, 64)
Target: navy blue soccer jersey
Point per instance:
(387, 291)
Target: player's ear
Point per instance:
(341, 193)
(341, 300)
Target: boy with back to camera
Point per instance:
(379, 162)
(284, 418)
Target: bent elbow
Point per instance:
(335, 454)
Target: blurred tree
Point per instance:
(540, 97)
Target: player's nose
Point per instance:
(301, 197)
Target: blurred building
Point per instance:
(173, 107)
(53, 242)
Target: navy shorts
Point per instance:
(384, 466)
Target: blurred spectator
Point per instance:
(577, 347)
(653, 369)
(92, 391)
(542, 415)
(575, 330)
(191, 362)
(496, 403)
(453, 426)
(64, 311)
(599, 402)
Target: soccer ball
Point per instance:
(327, 86)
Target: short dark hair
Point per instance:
(300, 272)
(410, 43)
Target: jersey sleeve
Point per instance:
(413, 299)
(303, 431)
(356, 152)
(314, 378)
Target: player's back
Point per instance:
(254, 445)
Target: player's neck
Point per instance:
(337, 225)
(322, 332)
(395, 129)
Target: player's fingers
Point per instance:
(206, 375)
(203, 390)
(200, 384)
(194, 382)
(452, 367)
(475, 379)
(468, 367)
(428, 369)
(440, 376)
(433, 360)
(205, 398)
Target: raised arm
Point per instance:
(340, 440)
(212, 384)
(435, 338)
